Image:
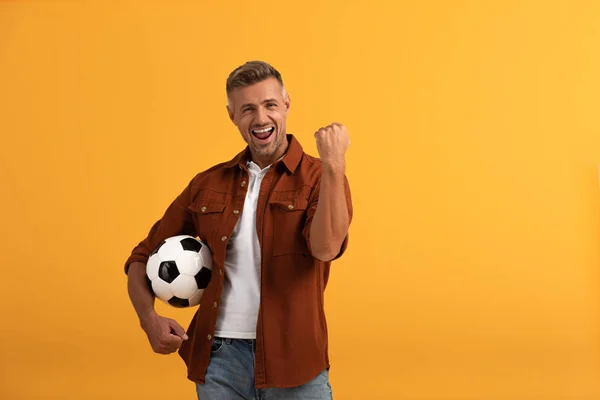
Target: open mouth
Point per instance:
(263, 134)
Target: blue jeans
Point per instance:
(230, 376)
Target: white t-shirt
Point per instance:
(240, 299)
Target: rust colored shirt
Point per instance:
(291, 332)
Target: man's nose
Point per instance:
(261, 116)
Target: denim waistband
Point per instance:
(248, 342)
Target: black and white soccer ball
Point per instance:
(179, 270)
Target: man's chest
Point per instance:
(272, 206)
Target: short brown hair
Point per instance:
(250, 73)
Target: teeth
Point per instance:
(261, 130)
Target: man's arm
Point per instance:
(140, 294)
(331, 221)
(164, 334)
(329, 226)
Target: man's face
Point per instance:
(259, 111)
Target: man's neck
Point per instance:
(263, 162)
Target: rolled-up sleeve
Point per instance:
(312, 208)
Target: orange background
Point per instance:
(473, 268)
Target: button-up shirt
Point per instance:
(291, 331)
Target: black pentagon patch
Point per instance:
(179, 303)
(167, 271)
(158, 247)
(203, 277)
(191, 245)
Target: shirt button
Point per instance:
(291, 206)
(221, 271)
(224, 238)
(243, 183)
(236, 211)
(209, 336)
(215, 304)
(203, 209)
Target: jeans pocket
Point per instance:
(216, 346)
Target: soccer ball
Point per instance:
(179, 270)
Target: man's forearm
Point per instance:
(140, 295)
(331, 220)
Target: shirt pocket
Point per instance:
(289, 217)
(206, 215)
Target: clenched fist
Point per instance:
(164, 334)
(332, 143)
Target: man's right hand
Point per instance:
(164, 334)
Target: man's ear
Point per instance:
(287, 102)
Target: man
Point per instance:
(274, 218)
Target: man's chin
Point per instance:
(266, 150)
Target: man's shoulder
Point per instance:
(310, 166)
(214, 177)
(311, 160)
(215, 169)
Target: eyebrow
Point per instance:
(264, 101)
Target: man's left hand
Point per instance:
(332, 143)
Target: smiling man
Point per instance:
(275, 218)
